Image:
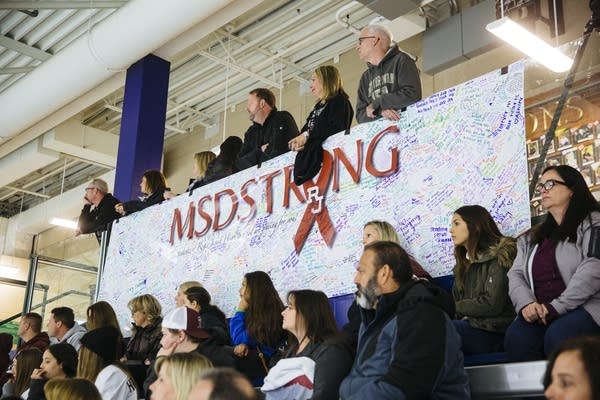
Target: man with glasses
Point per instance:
(99, 209)
(391, 81)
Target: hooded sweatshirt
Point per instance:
(73, 336)
(392, 84)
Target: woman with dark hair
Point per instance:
(554, 283)
(255, 329)
(308, 317)
(224, 164)
(59, 361)
(23, 365)
(573, 370)
(483, 257)
(214, 320)
(153, 187)
(332, 114)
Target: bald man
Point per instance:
(391, 81)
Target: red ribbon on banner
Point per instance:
(316, 208)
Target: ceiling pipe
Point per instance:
(132, 32)
(86, 99)
(346, 24)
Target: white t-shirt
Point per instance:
(114, 384)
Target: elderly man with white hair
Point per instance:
(391, 81)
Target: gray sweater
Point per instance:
(580, 273)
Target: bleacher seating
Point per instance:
(501, 381)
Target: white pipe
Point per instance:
(346, 25)
(126, 36)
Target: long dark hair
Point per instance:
(155, 180)
(66, 357)
(589, 353)
(314, 312)
(582, 203)
(483, 234)
(201, 296)
(263, 317)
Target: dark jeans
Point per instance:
(477, 341)
(526, 341)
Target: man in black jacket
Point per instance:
(95, 220)
(391, 81)
(408, 347)
(270, 132)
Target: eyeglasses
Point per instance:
(360, 39)
(90, 188)
(549, 184)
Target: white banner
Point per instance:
(464, 145)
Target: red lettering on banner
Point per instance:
(176, 224)
(317, 208)
(234, 206)
(288, 183)
(314, 195)
(204, 215)
(269, 189)
(339, 155)
(371, 149)
(249, 200)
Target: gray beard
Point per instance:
(367, 297)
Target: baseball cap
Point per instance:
(188, 320)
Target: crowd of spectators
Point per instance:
(535, 297)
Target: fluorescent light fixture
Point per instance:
(525, 41)
(66, 223)
(5, 270)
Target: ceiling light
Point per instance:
(525, 41)
(5, 270)
(66, 223)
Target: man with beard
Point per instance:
(270, 132)
(407, 346)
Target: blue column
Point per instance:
(142, 124)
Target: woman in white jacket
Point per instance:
(98, 363)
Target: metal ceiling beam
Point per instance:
(23, 48)
(167, 126)
(11, 71)
(239, 69)
(59, 5)
(16, 189)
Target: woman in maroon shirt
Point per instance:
(554, 283)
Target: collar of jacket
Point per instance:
(392, 52)
(505, 251)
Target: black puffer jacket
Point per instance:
(145, 342)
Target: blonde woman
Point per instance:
(332, 114)
(98, 363)
(180, 296)
(72, 389)
(201, 161)
(145, 341)
(177, 374)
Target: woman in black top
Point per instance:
(153, 186)
(332, 114)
